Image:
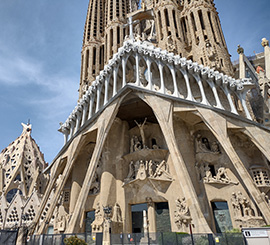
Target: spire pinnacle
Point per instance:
(27, 128)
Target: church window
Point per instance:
(221, 61)
(201, 19)
(118, 35)
(175, 23)
(167, 17)
(184, 28)
(86, 63)
(18, 177)
(94, 55)
(124, 9)
(220, 32)
(211, 25)
(160, 25)
(66, 196)
(111, 9)
(117, 8)
(95, 20)
(11, 194)
(260, 177)
(194, 27)
(111, 41)
(202, 61)
(101, 16)
(101, 53)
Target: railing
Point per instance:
(8, 237)
(141, 65)
(159, 238)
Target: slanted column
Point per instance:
(78, 119)
(65, 131)
(84, 112)
(137, 58)
(242, 96)
(175, 88)
(189, 92)
(91, 104)
(124, 82)
(149, 77)
(162, 86)
(115, 71)
(214, 89)
(98, 97)
(72, 127)
(229, 97)
(107, 79)
(199, 82)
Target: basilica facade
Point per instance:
(162, 138)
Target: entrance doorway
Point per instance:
(137, 217)
(163, 222)
(222, 216)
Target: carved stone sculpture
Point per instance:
(244, 213)
(182, 216)
(141, 126)
(117, 215)
(148, 169)
(99, 218)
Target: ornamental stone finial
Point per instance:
(240, 50)
(265, 42)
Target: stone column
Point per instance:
(218, 126)
(265, 44)
(105, 122)
(151, 216)
(163, 110)
(72, 152)
(242, 67)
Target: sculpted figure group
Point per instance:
(182, 216)
(143, 169)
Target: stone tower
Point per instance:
(22, 181)
(187, 28)
(103, 35)
(203, 36)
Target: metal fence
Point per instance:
(8, 237)
(159, 238)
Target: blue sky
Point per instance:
(40, 45)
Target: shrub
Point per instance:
(74, 240)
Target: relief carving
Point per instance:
(182, 216)
(244, 214)
(117, 214)
(152, 169)
(95, 186)
(99, 218)
(213, 175)
(206, 151)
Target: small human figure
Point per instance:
(137, 144)
(208, 175)
(141, 126)
(131, 173)
(117, 217)
(236, 205)
(222, 175)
